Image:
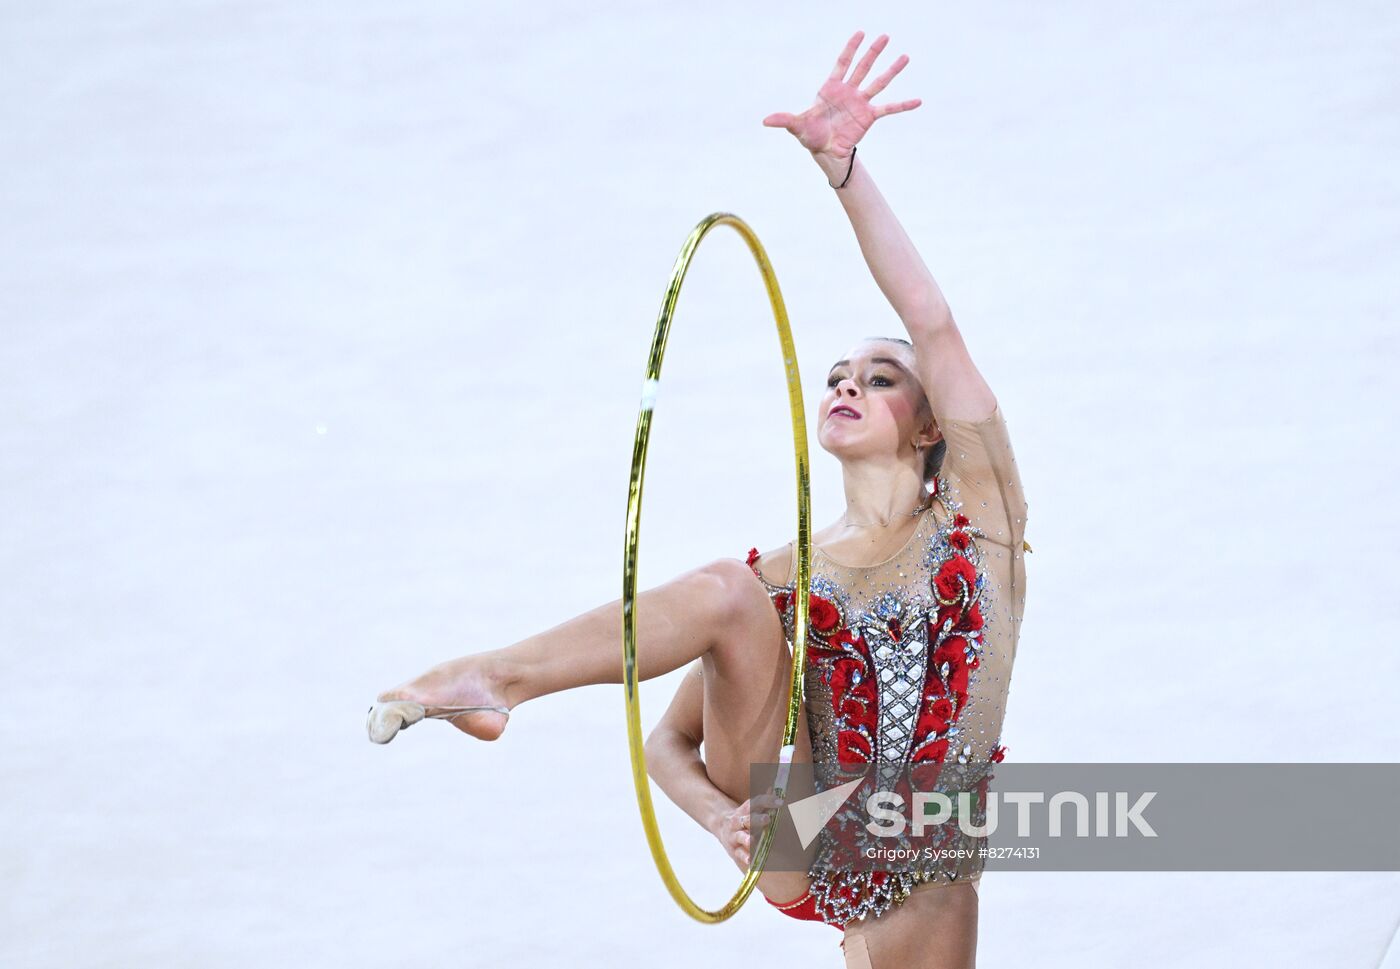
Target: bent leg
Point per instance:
(746, 677)
(719, 612)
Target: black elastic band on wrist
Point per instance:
(849, 170)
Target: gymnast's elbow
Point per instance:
(665, 748)
(660, 744)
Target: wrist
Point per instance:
(718, 810)
(837, 169)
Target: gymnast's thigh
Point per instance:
(934, 928)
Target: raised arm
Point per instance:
(830, 130)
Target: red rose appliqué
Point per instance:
(823, 614)
(953, 577)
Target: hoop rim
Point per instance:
(650, 387)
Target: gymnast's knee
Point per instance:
(741, 607)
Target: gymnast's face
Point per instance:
(874, 404)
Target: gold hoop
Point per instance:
(629, 564)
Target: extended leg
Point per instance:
(700, 613)
(718, 612)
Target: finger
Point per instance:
(844, 61)
(868, 61)
(780, 119)
(894, 107)
(878, 85)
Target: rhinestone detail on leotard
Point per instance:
(890, 675)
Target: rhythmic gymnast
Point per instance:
(917, 596)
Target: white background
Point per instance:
(324, 326)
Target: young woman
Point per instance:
(918, 590)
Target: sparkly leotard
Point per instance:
(909, 661)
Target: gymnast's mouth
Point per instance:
(843, 411)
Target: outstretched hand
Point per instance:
(843, 113)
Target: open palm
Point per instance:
(843, 113)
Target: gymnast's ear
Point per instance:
(930, 433)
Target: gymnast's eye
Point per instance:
(833, 380)
(880, 380)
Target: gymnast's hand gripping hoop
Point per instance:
(629, 564)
